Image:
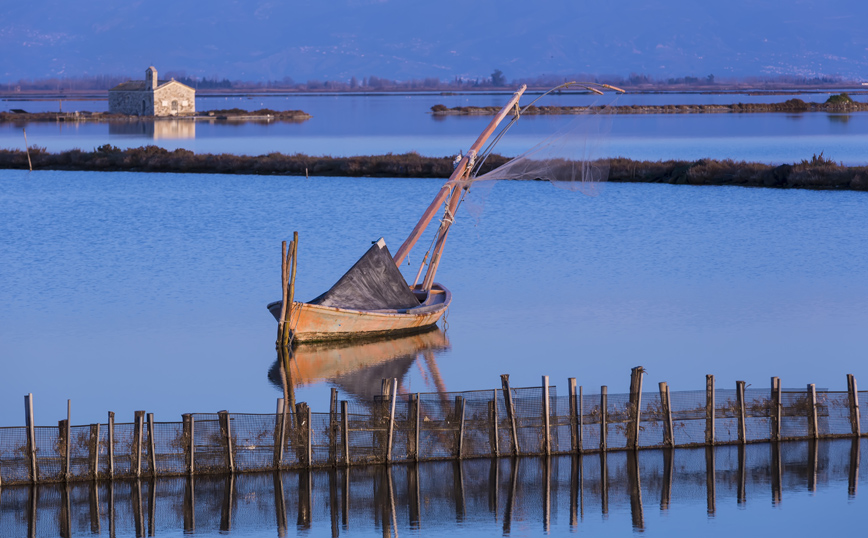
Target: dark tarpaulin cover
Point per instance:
(373, 283)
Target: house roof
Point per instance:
(140, 85)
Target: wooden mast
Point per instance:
(464, 166)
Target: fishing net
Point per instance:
(574, 159)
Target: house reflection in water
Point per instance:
(358, 368)
(157, 129)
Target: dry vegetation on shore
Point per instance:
(816, 173)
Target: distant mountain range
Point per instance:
(404, 39)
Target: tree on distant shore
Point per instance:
(497, 78)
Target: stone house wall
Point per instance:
(174, 99)
(132, 102)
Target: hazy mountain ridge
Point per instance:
(336, 40)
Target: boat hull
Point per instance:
(313, 323)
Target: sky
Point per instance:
(406, 39)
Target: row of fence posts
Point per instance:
(299, 426)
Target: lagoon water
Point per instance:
(125, 291)
(377, 124)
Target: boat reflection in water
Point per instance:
(358, 367)
(653, 491)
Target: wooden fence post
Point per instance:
(709, 410)
(739, 396)
(635, 407)
(813, 424)
(461, 429)
(855, 413)
(333, 426)
(666, 405)
(604, 416)
(546, 410)
(393, 400)
(775, 410)
(574, 419)
(68, 444)
(63, 444)
(93, 448)
(510, 413)
(581, 420)
(226, 430)
(309, 438)
(418, 428)
(279, 425)
(345, 419)
(31, 437)
(138, 426)
(493, 434)
(152, 444)
(110, 450)
(189, 430)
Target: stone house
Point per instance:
(152, 97)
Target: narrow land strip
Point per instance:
(816, 173)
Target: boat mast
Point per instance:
(463, 168)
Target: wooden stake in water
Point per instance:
(27, 150)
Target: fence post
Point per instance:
(775, 411)
(418, 428)
(68, 436)
(635, 406)
(393, 400)
(666, 404)
(345, 419)
(546, 410)
(138, 425)
(333, 425)
(604, 416)
(739, 396)
(31, 437)
(493, 440)
(111, 445)
(226, 431)
(461, 429)
(152, 445)
(93, 448)
(813, 425)
(309, 438)
(279, 424)
(510, 413)
(189, 442)
(709, 410)
(855, 414)
(63, 442)
(574, 419)
(581, 420)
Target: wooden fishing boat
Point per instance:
(373, 298)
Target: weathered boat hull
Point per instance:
(313, 323)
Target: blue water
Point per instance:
(378, 124)
(125, 291)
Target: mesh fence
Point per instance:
(14, 458)
(427, 426)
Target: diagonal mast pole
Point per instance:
(464, 166)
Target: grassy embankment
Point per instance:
(817, 173)
(836, 103)
(230, 114)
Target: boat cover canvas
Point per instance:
(373, 283)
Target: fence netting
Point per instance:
(425, 427)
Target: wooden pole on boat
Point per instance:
(442, 233)
(27, 150)
(284, 261)
(293, 262)
(463, 166)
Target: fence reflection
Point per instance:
(530, 491)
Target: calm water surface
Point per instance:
(784, 489)
(125, 291)
(378, 124)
